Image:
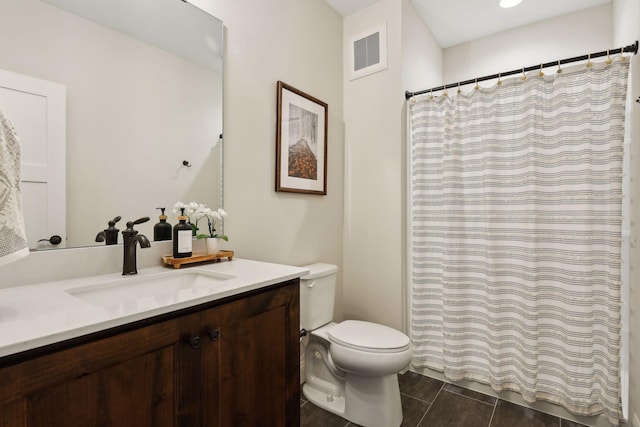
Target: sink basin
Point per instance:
(146, 291)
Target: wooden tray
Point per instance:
(196, 257)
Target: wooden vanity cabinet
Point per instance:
(231, 363)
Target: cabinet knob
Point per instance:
(214, 334)
(194, 342)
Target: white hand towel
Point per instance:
(13, 239)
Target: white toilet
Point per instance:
(352, 366)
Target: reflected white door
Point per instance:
(37, 110)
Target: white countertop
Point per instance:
(32, 316)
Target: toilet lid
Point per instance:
(368, 336)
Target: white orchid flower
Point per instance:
(177, 208)
(191, 209)
(199, 212)
(196, 211)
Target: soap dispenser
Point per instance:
(182, 237)
(162, 230)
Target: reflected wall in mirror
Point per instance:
(143, 95)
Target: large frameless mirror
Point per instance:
(118, 106)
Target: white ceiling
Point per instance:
(457, 21)
(347, 7)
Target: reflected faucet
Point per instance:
(131, 239)
(109, 234)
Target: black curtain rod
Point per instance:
(631, 48)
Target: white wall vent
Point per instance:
(368, 52)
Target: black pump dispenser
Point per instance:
(182, 237)
(162, 230)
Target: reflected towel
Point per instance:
(13, 239)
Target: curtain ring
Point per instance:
(459, 91)
(412, 100)
(589, 63)
(541, 73)
(431, 94)
(476, 87)
(445, 93)
(622, 58)
(499, 81)
(559, 68)
(524, 76)
(608, 61)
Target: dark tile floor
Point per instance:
(427, 402)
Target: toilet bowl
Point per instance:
(350, 367)
(368, 348)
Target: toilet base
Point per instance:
(368, 401)
(327, 401)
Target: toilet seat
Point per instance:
(369, 337)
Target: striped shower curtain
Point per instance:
(515, 205)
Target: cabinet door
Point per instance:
(197, 384)
(259, 361)
(244, 369)
(135, 392)
(123, 380)
(252, 364)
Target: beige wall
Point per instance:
(300, 43)
(545, 41)
(374, 241)
(421, 54)
(373, 176)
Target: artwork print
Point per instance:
(303, 147)
(301, 142)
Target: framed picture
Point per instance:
(301, 142)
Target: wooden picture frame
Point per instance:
(301, 142)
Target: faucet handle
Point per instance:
(130, 224)
(114, 221)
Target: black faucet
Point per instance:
(131, 238)
(109, 234)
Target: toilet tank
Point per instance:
(317, 295)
